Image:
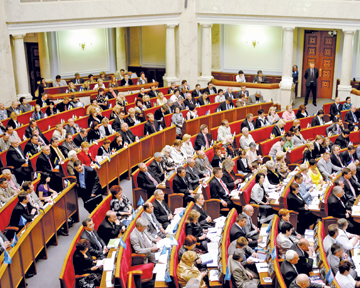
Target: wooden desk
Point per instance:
(41, 231)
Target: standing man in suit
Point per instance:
(97, 245)
(335, 109)
(192, 174)
(259, 78)
(151, 126)
(154, 228)
(256, 98)
(203, 139)
(81, 137)
(303, 249)
(142, 242)
(77, 80)
(22, 209)
(147, 180)
(204, 220)
(162, 211)
(311, 75)
(157, 167)
(210, 89)
(110, 227)
(288, 267)
(226, 105)
(88, 185)
(202, 164)
(251, 230)
(218, 190)
(181, 185)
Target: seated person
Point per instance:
(110, 227)
(304, 250)
(204, 220)
(142, 242)
(272, 174)
(330, 238)
(181, 185)
(284, 215)
(218, 189)
(302, 280)
(84, 263)
(335, 157)
(120, 204)
(343, 276)
(252, 156)
(251, 230)
(283, 241)
(288, 114)
(224, 130)
(238, 230)
(288, 267)
(334, 257)
(259, 78)
(273, 117)
(44, 190)
(307, 193)
(186, 270)
(301, 113)
(97, 245)
(228, 145)
(6, 192)
(248, 122)
(315, 174)
(318, 120)
(278, 146)
(162, 211)
(154, 228)
(336, 128)
(220, 97)
(343, 139)
(326, 167)
(240, 277)
(189, 245)
(229, 177)
(218, 156)
(246, 139)
(261, 121)
(347, 240)
(157, 167)
(349, 156)
(278, 129)
(194, 228)
(146, 180)
(203, 165)
(351, 117)
(203, 139)
(350, 191)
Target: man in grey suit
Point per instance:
(326, 167)
(142, 242)
(154, 228)
(68, 145)
(256, 98)
(335, 256)
(4, 243)
(202, 164)
(77, 80)
(230, 93)
(6, 192)
(251, 230)
(192, 174)
(11, 180)
(259, 78)
(72, 128)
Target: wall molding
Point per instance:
(49, 26)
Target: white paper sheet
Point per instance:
(213, 275)
(262, 267)
(108, 264)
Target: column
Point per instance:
(21, 73)
(287, 95)
(121, 49)
(44, 57)
(346, 65)
(170, 75)
(206, 56)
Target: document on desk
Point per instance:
(213, 275)
(255, 260)
(206, 258)
(178, 210)
(160, 270)
(263, 230)
(262, 267)
(108, 264)
(220, 219)
(274, 195)
(355, 210)
(109, 275)
(213, 251)
(163, 242)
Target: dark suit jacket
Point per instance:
(259, 122)
(194, 229)
(43, 165)
(116, 125)
(299, 115)
(78, 140)
(188, 103)
(181, 185)
(145, 183)
(61, 106)
(222, 106)
(245, 123)
(126, 135)
(28, 134)
(203, 216)
(307, 77)
(241, 167)
(342, 142)
(123, 82)
(276, 131)
(335, 208)
(350, 119)
(155, 169)
(94, 249)
(158, 115)
(81, 80)
(40, 102)
(19, 211)
(217, 191)
(92, 183)
(106, 231)
(29, 147)
(192, 176)
(304, 266)
(208, 90)
(201, 101)
(288, 272)
(161, 214)
(348, 194)
(227, 95)
(195, 93)
(200, 141)
(256, 79)
(318, 150)
(346, 158)
(153, 94)
(335, 160)
(296, 204)
(149, 128)
(236, 232)
(13, 158)
(228, 180)
(68, 129)
(246, 93)
(335, 111)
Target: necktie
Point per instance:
(352, 188)
(224, 186)
(251, 126)
(161, 169)
(49, 162)
(167, 212)
(339, 160)
(312, 75)
(206, 142)
(96, 240)
(206, 165)
(146, 241)
(152, 179)
(12, 184)
(153, 124)
(72, 130)
(128, 137)
(59, 154)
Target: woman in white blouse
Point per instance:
(240, 77)
(176, 153)
(246, 139)
(187, 148)
(267, 186)
(273, 117)
(100, 84)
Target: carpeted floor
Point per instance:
(310, 107)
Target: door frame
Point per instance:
(300, 54)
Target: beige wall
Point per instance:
(134, 46)
(216, 48)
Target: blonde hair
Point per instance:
(296, 121)
(85, 144)
(146, 98)
(272, 108)
(99, 80)
(71, 85)
(177, 142)
(160, 94)
(262, 169)
(117, 107)
(193, 215)
(167, 148)
(105, 121)
(186, 137)
(288, 106)
(13, 115)
(279, 155)
(86, 84)
(283, 212)
(281, 122)
(131, 111)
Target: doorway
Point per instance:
(32, 50)
(320, 47)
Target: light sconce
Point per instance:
(83, 44)
(254, 42)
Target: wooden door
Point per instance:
(320, 47)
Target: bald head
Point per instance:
(304, 244)
(302, 280)
(248, 210)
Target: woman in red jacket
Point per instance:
(84, 156)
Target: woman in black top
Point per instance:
(309, 152)
(229, 177)
(94, 133)
(41, 87)
(104, 150)
(278, 128)
(194, 228)
(301, 113)
(218, 157)
(94, 116)
(50, 110)
(85, 264)
(243, 165)
(117, 143)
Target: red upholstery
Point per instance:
(247, 189)
(262, 134)
(69, 272)
(265, 146)
(326, 198)
(227, 243)
(5, 213)
(145, 268)
(99, 215)
(326, 106)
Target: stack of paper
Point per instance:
(113, 243)
(178, 210)
(213, 249)
(355, 209)
(262, 267)
(274, 195)
(160, 270)
(213, 275)
(108, 264)
(109, 276)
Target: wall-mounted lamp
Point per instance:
(82, 45)
(254, 42)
